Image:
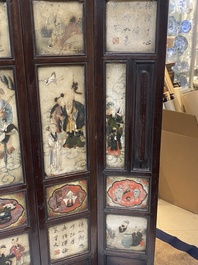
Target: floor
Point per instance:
(178, 222)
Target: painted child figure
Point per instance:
(54, 149)
(17, 250)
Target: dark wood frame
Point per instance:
(157, 61)
(25, 63)
(17, 64)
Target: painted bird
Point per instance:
(52, 79)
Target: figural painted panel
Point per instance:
(10, 154)
(67, 198)
(5, 50)
(15, 250)
(131, 26)
(12, 211)
(63, 110)
(68, 239)
(58, 27)
(115, 114)
(126, 232)
(127, 192)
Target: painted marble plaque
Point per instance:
(15, 250)
(10, 154)
(126, 232)
(12, 210)
(58, 27)
(67, 198)
(115, 114)
(127, 192)
(62, 103)
(131, 26)
(5, 50)
(68, 239)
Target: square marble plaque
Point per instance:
(131, 26)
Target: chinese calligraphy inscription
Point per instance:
(131, 26)
(68, 239)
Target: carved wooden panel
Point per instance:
(143, 116)
(124, 261)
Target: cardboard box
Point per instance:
(178, 180)
(190, 102)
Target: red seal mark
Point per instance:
(116, 40)
(57, 252)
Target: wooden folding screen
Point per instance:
(81, 85)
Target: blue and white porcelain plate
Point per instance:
(185, 66)
(186, 26)
(170, 52)
(172, 26)
(171, 6)
(181, 66)
(183, 81)
(177, 67)
(180, 44)
(181, 6)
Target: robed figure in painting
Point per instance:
(7, 128)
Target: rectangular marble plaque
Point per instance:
(15, 250)
(5, 50)
(58, 27)
(68, 239)
(126, 232)
(115, 114)
(131, 26)
(63, 114)
(10, 154)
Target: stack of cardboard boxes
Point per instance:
(178, 180)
